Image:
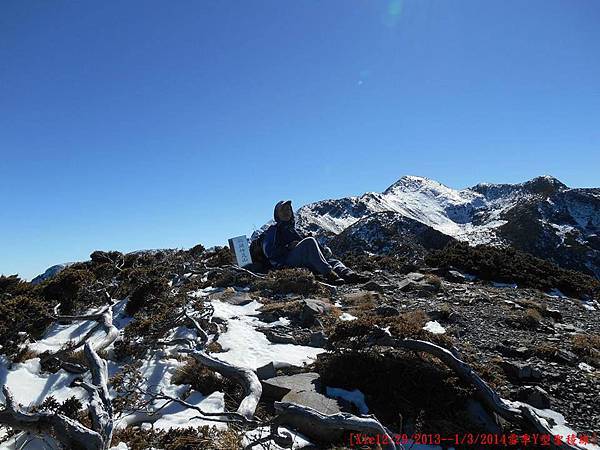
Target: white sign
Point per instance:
(239, 247)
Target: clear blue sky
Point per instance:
(148, 124)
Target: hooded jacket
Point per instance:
(277, 238)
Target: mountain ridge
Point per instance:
(541, 216)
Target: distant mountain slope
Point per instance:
(390, 233)
(541, 216)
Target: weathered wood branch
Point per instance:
(328, 428)
(104, 319)
(227, 417)
(202, 335)
(515, 412)
(100, 406)
(245, 377)
(67, 431)
(203, 270)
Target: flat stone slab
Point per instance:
(239, 299)
(278, 387)
(302, 389)
(313, 400)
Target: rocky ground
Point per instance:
(327, 348)
(527, 344)
(508, 331)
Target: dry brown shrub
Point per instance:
(434, 280)
(366, 331)
(288, 281)
(205, 438)
(198, 377)
(25, 354)
(362, 302)
(69, 289)
(588, 346)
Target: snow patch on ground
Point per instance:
(356, 397)
(59, 335)
(555, 422)
(347, 316)
(121, 446)
(556, 293)
(298, 440)
(158, 372)
(434, 327)
(246, 347)
(177, 416)
(28, 441)
(561, 230)
(30, 387)
(590, 305)
(558, 426)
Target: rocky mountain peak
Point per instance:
(412, 183)
(542, 216)
(545, 185)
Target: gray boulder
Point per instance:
(303, 389)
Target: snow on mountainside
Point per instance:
(541, 216)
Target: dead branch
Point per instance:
(245, 377)
(100, 405)
(67, 431)
(202, 335)
(104, 319)
(515, 412)
(227, 417)
(328, 428)
(203, 270)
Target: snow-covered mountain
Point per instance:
(541, 216)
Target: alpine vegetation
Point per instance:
(419, 317)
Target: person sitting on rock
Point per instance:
(285, 247)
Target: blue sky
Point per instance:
(149, 124)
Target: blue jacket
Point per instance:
(277, 238)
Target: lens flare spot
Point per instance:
(395, 7)
(394, 12)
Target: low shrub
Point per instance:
(198, 377)
(151, 290)
(288, 281)
(206, 438)
(69, 288)
(21, 317)
(506, 264)
(588, 346)
(366, 331)
(367, 262)
(70, 407)
(401, 389)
